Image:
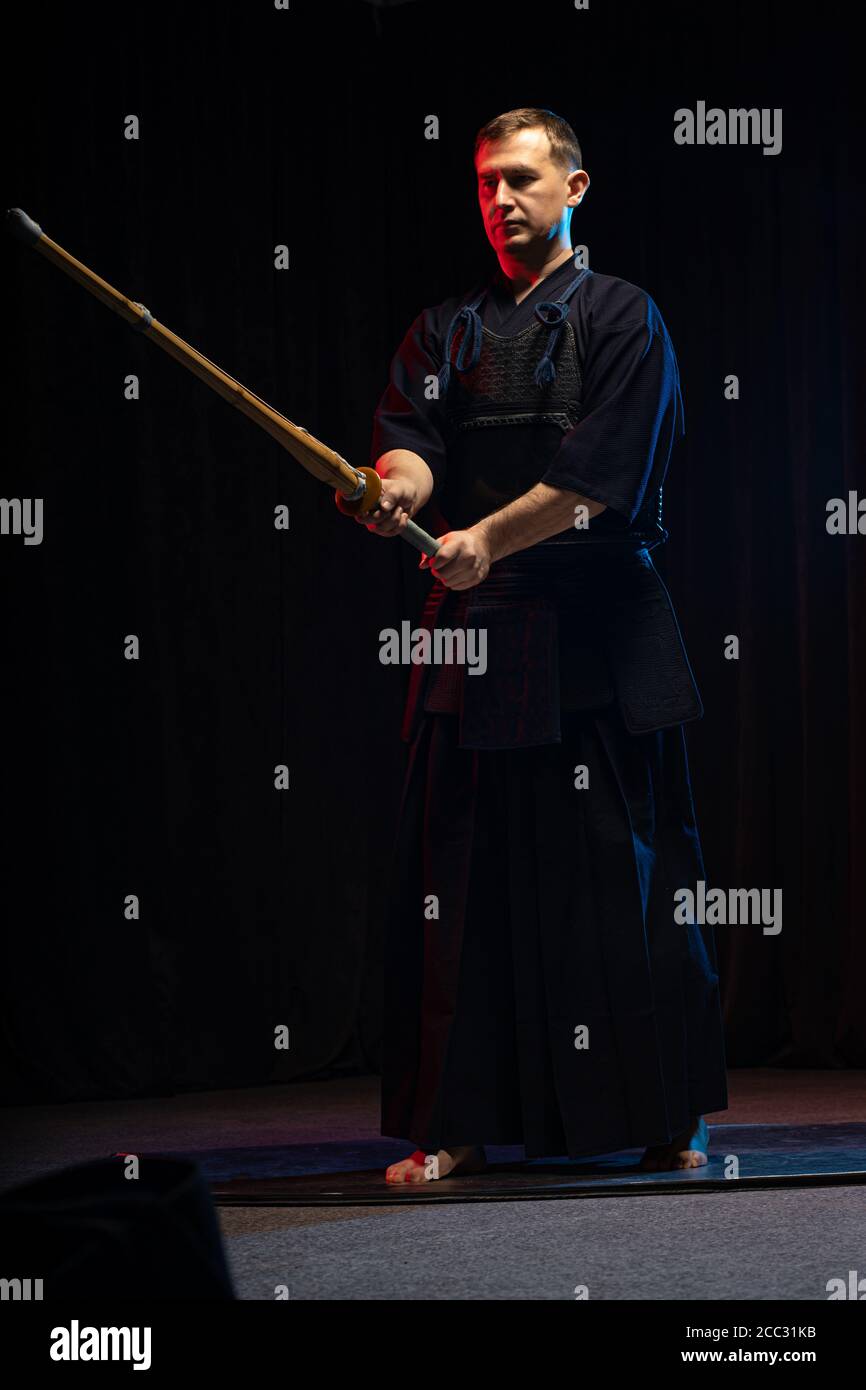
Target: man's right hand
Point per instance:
(396, 505)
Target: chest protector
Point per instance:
(576, 622)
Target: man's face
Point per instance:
(524, 197)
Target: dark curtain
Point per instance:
(259, 647)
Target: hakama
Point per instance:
(551, 1000)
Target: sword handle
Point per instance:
(419, 538)
(368, 492)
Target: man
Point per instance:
(538, 988)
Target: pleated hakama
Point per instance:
(538, 990)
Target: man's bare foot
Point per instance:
(685, 1150)
(419, 1167)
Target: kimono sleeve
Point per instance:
(632, 412)
(409, 415)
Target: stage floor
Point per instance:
(743, 1156)
(277, 1126)
(697, 1234)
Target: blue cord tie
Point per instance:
(469, 351)
(552, 313)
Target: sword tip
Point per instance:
(22, 227)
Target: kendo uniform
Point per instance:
(553, 902)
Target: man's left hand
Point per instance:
(462, 560)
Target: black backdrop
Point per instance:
(259, 647)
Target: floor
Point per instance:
(724, 1245)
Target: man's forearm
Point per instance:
(543, 511)
(403, 463)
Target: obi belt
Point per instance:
(568, 628)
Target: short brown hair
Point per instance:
(564, 147)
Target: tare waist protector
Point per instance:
(567, 628)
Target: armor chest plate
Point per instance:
(501, 390)
(503, 428)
